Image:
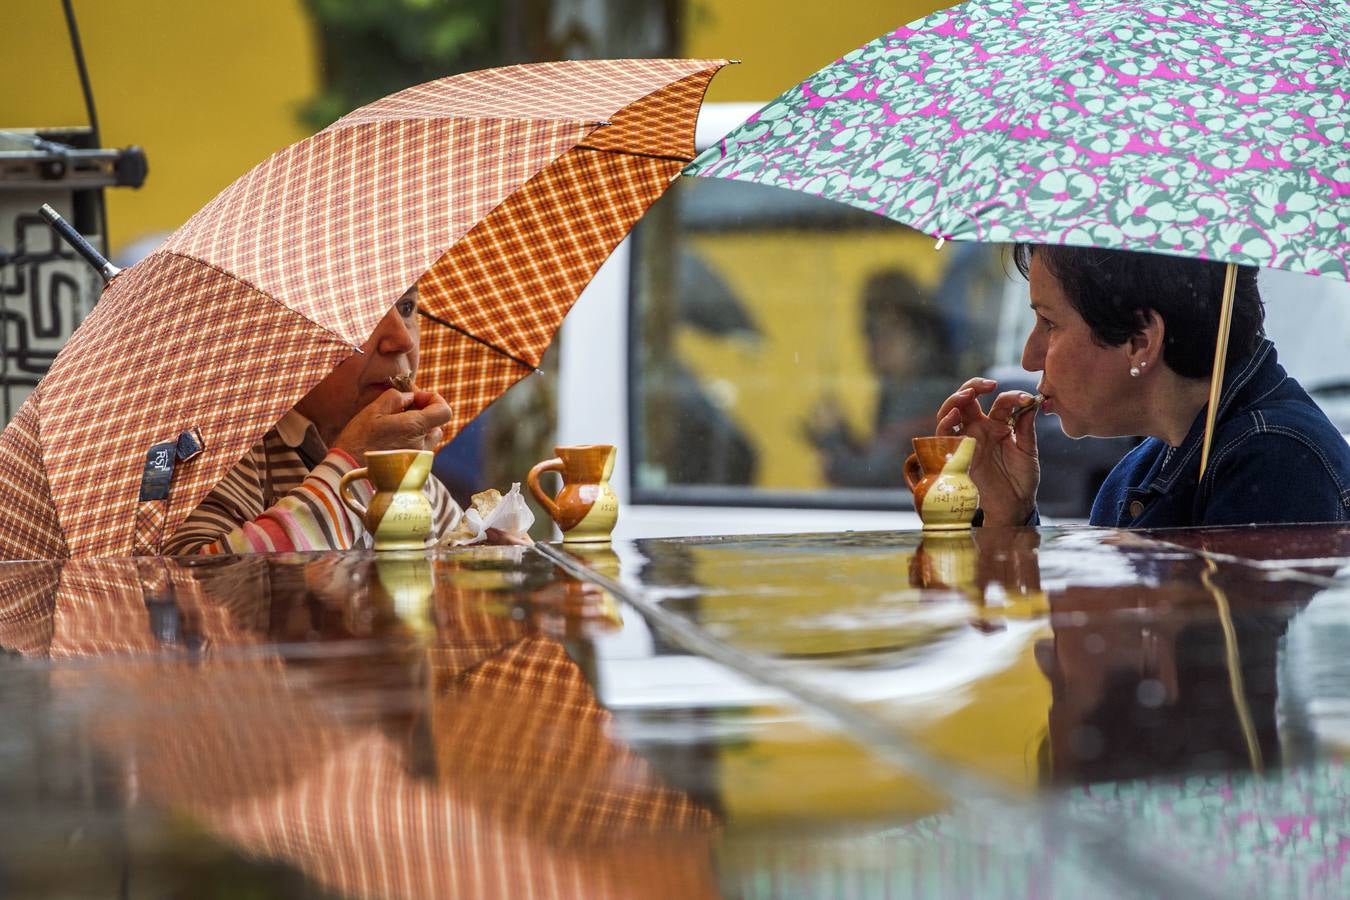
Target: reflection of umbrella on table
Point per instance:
(502, 191)
(1211, 129)
(529, 795)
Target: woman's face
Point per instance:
(1087, 385)
(361, 378)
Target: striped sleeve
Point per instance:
(309, 517)
(444, 510)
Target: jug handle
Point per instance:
(913, 471)
(352, 503)
(549, 465)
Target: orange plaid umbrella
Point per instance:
(502, 191)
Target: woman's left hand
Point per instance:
(1006, 469)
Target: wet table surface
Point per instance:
(1008, 713)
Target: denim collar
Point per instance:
(1175, 460)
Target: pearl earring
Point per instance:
(1134, 371)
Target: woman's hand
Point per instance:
(395, 421)
(1005, 469)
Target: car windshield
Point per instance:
(1308, 318)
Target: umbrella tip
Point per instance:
(77, 243)
(733, 62)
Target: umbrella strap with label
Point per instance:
(152, 508)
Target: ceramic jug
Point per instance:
(585, 508)
(938, 474)
(399, 514)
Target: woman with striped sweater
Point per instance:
(283, 495)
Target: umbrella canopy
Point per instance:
(1214, 129)
(500, 192)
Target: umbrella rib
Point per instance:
(414, 118)
(471, 336)
(670, 158)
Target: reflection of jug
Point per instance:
(946, 561)
(938, 474)
(586, 508)
(602, 604)
(407, 580)
(399, 515)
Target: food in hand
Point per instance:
(1033, 403)
(403, 381)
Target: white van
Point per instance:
(733, 347)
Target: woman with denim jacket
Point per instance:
(1124, 343)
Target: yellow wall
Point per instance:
(780, 43)
(208, 89)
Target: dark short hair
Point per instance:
(1113, 290)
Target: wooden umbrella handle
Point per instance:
(1220, 357)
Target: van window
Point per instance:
(786, 348)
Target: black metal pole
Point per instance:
(77, 48)
(77, 241)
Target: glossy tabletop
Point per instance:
(1007, 713)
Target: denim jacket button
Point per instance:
(1136, 509)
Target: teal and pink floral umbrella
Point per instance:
(1209, 128)
(1216, 129)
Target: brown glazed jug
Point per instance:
(938, 474)
(585, 508)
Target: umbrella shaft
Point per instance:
(1220, 356)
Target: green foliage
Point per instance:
(370, 48)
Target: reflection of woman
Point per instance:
(1153, 694)
(910, 353)
(1124, 344)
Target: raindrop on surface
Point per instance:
(1086, 742)
(1151, 693)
